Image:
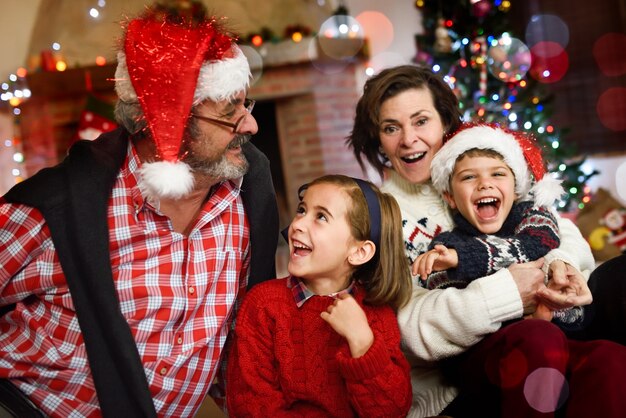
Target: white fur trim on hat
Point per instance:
(481, 137)
(166, 179)
(547, 190)
(218, 80)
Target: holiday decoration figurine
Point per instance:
(615, 221)
(443, 42)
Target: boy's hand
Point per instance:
(348, 319)
(438, 259)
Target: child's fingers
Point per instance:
(416, 265)
(430, 261)
(441, 249)
(423, 266)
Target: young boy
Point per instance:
(494, 180)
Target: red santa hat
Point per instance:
(168, 66)
(519, 150)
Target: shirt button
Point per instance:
(163, 371)
(425, 190)
(179, 340)
(191, 290)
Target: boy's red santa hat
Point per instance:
(520, 152)
(169, 65)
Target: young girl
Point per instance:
(324, 341)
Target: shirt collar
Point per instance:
(301, 293)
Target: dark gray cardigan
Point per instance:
(73, 198)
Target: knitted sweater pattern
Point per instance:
(424, 213)
(287, 361)
(528, 233)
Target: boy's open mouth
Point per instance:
(487, 207)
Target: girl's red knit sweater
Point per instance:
(287, 361)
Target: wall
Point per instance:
(314, 114)
(82, 37)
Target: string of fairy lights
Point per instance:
(500, 78)
(14, 92)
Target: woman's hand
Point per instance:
(348, 319)
(529, 278)
(438, 259)
(542, 312)
(566, 288)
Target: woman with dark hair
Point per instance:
(401, 121)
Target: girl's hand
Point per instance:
(438, 259)
(348, 319)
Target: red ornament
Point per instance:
(481, 8)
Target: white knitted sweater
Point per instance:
(437, 324)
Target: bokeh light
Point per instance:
(326, 66)
(620, 181)
(546, 389)
(611, 108)
(256, 62)
(609, 52)
(547, 28)
(509, 59)
(377, 28)
(296, 37)
(550, 62)
(257, 40)
(330, 31)
(340, 26)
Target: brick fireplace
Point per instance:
(312, 104)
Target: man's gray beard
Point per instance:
(221, 169)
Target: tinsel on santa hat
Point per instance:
(168, 66)
(519, 151)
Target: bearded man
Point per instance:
(122, 266)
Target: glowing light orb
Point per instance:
(330, 30)
(610, 108)
(550, 62)
(377, 28)
(546, 389)
(509, 59)
(620, 181)
(547, 28)
(255, 60)
(608, 52)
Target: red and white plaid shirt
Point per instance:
(176, 292)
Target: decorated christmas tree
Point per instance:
(500, 77)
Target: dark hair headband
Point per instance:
(373, 206)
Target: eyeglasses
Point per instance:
(248, 104)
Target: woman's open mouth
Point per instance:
(413, 158)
